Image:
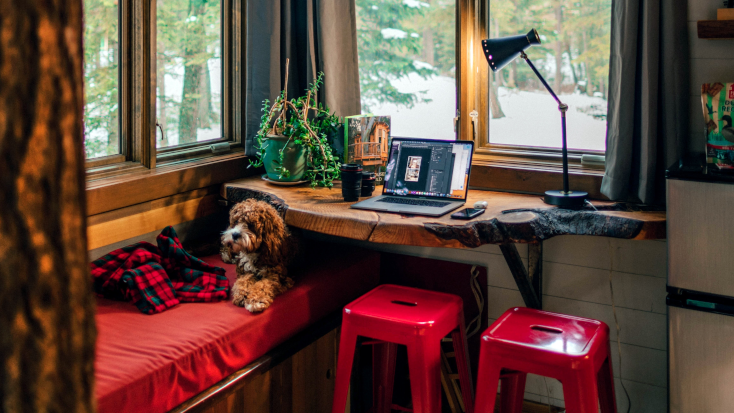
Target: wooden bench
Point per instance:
(195, 354)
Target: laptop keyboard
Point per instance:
(419, 202)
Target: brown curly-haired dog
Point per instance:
(261, 246)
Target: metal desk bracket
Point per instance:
(529, 281)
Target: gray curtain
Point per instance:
(316, 35)
(648, 97)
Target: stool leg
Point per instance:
(424, 366)
(383, 375)
(605, 382)
(461, 352)
(580, 392)
(487, 381)
(512, 391)
(347, 344)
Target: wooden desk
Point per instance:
(509, 219)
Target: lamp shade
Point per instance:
(500, 52)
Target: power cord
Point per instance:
(616, 322)
(475, 324)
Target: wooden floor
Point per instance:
(533, 407)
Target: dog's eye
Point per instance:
(236, 236)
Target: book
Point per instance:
(718, 105)
(367, 142)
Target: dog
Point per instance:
(261, 246)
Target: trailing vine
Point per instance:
(305, 122)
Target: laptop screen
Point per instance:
(425, 167)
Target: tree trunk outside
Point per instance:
(47, 330)
(498, 74)
(205, 101)
(512, 82)
(494, 103)
(589, 84)
(559, 49)
(189, 118)
(570, 63)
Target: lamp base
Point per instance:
(572, 199)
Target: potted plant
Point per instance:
(292, 142)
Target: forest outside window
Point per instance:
(189, 78)
(101, 72)
(407, 64)
(157, 81)
(573, 57)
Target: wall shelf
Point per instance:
(716, 29)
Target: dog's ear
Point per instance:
(240, 211)
(272, 234)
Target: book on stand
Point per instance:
(367, 142)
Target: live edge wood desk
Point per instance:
(509, 219)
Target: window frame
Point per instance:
(473, 95)
(138, 174)
(137, 93)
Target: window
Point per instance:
(420, 62)
(157, 76)
(573, 58)
(101, 75)
(189, 71)
(407, 64)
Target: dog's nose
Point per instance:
(236, 236)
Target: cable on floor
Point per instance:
(616, 322)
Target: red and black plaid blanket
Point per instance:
(157, 278)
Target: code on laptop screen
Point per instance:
(428, 168)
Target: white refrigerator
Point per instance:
(700, 215)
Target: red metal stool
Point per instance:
(419, 319)
(571, 349)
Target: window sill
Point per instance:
(136, 184)
(531, 176)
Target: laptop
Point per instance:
(424, 177)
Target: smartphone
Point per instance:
(467, 213)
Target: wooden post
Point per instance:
(47, 319)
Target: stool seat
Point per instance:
(574, 350)
(408, 310)
(553, 333)
(416, 318)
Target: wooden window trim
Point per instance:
(138, 184)
(504, 167)
(137, 85)
(141, 172)
(231, 46)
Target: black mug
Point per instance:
(351, 181)
(368, 183)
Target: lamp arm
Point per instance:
(563, 108)
(547, 86)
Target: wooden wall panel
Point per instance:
(302, 383)
(130, 222)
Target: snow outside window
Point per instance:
(573, 58)
(407, 64)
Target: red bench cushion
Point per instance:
(153, 363)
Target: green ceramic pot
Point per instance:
(294, 159)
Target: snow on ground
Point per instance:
(531, 117)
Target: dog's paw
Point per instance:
(239, 294)
(239, 300)
(256, 306)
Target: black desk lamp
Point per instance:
(499, 53)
